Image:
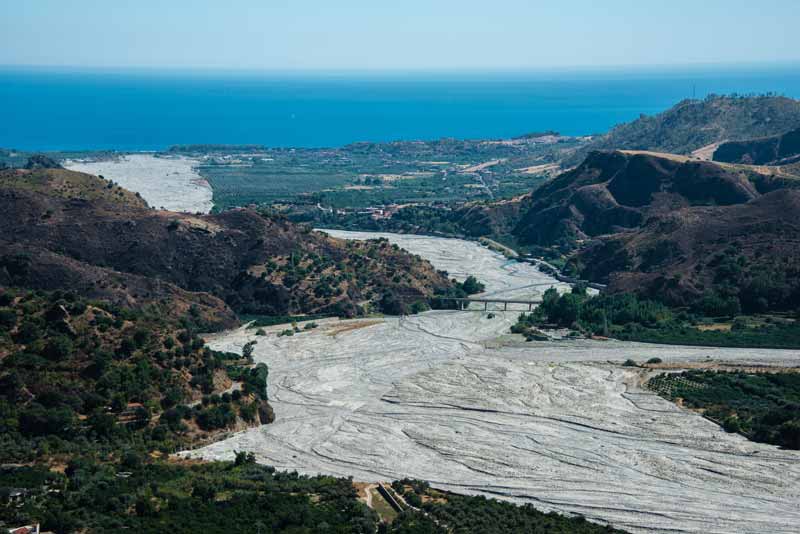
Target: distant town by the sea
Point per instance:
(151, 110)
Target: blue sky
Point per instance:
(396, 34)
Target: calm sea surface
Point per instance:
(139, 110)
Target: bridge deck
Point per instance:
(490, 300)
(486, 301)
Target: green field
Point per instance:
(370, 174)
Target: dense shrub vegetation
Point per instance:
(136, 495)
(414, 219)
(107, 391)
(378, 274)
(764, 406)
(631, 318)
(460, 290)
(78, 376)
(461, 514)
(752, 287)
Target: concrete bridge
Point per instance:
(464, 302)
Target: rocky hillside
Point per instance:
(743, 256)
(66, 185)
(490, 219)
(63, 229)
(665, 226)
(781, 149)
(694, 124)
(616, 191)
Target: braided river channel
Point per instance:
(453, 398)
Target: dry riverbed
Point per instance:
(561, 425)
(169, 183)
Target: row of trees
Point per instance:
(630, 317)
(763, 406)
(156, 496)
(448, 512)
(594, 315)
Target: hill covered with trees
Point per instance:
(64, 229)
(664, 227)
(78, 375)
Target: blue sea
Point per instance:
(60, 109)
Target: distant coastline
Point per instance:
(144, 110)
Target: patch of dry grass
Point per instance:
(349, 327)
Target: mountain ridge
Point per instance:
(613, 190)
(691, 125)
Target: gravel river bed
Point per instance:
(170, 183)
(451, 397)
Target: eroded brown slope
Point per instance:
(749, 251)
(775, 150)
(669, 227)
(614, 191)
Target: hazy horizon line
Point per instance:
(656, 68)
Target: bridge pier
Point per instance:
(505, 306)
(530, 306)
(485, 306)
